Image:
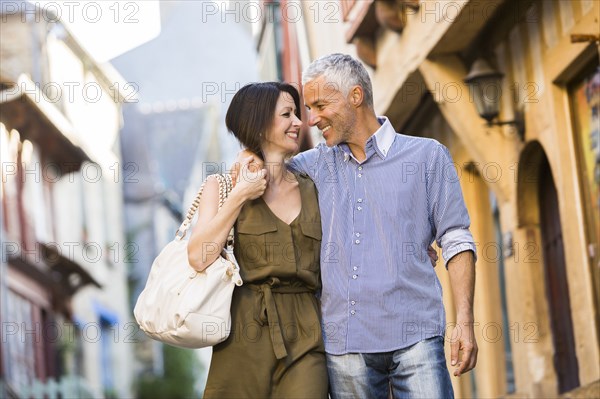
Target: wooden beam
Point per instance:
(365, 23)
(467, 23)
(492, 151)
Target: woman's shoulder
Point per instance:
(304, 181)
(302, 176)
(308, 189)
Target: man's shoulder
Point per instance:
(416, 143)
(417, 139)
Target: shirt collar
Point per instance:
(381, 140)
(384, 136)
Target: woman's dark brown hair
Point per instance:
(252, 110)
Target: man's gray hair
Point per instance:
(343, 71)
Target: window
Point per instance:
(584, 96)
(20, 341)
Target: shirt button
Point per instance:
(352, 302)
(357, 242)
(359, 208)
(353, 312)
(355, 268)
(358, 234)
(360, 168)
(354, 276)
(359, 200)
(360, 175)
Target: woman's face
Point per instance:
(283, 135)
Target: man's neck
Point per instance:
(358, 142)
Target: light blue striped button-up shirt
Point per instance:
(380, 292)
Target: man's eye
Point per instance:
(320, 107)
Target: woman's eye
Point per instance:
(287, 115)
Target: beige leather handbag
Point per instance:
(182, 307)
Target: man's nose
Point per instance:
(312, 119)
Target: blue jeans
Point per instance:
(418, 371)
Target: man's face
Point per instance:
(329, 110)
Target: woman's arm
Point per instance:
(212, 228)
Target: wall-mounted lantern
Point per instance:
(485, 84)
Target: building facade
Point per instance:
(66, 323)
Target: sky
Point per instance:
(107, 28)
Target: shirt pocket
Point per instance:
(310, 248)
(252, 244)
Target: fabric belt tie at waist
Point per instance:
(266, 306)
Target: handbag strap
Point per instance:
(225, 187)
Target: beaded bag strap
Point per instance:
(225, 187)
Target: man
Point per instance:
(384, 198)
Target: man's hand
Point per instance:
(463, 348)
(254, 164)
(463, 355)
(433, 256)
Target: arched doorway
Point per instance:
(538, 205)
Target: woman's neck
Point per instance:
(276, 169)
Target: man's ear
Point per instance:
(356, 96)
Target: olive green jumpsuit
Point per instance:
(275, 349)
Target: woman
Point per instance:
(275, 348)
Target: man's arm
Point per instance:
(462, 279)
(451, 227)
(304, 162)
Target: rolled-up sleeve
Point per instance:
(455, 242)
(447, 211)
